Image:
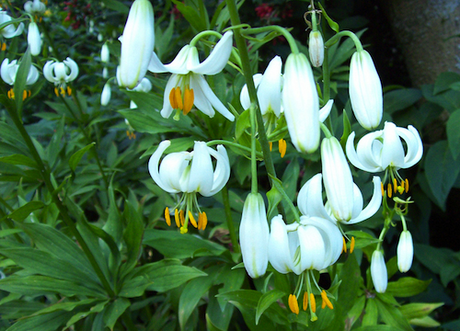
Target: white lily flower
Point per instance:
(136, 44)
(144, 86)
(61, 73)
(269, 87)
(106, 94)
(315, 243)
(9, 31)
(316, 48)
(310, 202)
(34, 39)
(301, 103)
(10, 69)
(366, 93)
(405, 251)
(379, 271)
(190, 172)
(383, 149)
(187, 86)
(105, 53)
(254, 235)
(35, 7)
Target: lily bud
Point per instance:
(106, 94)
(136, 44)
(105, 53)
(405, 251)
(366, 94)
(34, 39)
(379, 271)
(254, 235)
(316, 48)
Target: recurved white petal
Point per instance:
(269, 90)
(278, 246)
(326, 110)
(222, 170)
(373, 206)
(154, 164)
(201, 173)
(244, 95)
(310, 198)
(392, 151)
(218, 58)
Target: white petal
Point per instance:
(379, 272)
(392, 151)
(175, 172)
(153, 166)
(222, 171)
(48, 70)
(374, 204)
(73, 69)
(244, 95)
(179, 64)
(269, 91)
(201, 172)
(414, 145)
(312, 247)
(167, 108)
(278, 246)
(8, 71)
(155, 64)
(310, 198)
(201, 101)
(326, 110)
(218, 58)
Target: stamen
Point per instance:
(181, 217)
(352, 244)
(3, 46)
(11, 94)
(326, 301)
(389, 190)
(312, 303)
(167, 216)
(293, 304)
(24, 95)
(172, 98)
(282, 147)
(402, 184)
(62, 91)
(395, 184)
(69, 91)
(305, 301)
(192, 219)
(178, 96)
(189, 98)
(407, 185)
(271, 145)
(56, 91)
(204, 220)
(30, 93)
(383, 189)
(176, 218)
(344, 247)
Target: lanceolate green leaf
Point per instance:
(76, 157)
(266, 300)
(45, 322)
(23, 212)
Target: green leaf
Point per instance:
(449, 100)
(418, 310)
(290, 178)
(67, 306)
(346, 130)
(425, 322)
(444, 81)
(181, 246)
(400, 99)
(266, 300)
(197, 22)
(441, 171)
(80, 315)
(351, 281)
(159, 276)
(45, 322)
(392, 316)
(132, 235)
(8, 232)
(114, 311)
(116, 5)
(371, 313)
(377, 328)
(18, 159)
(23, 212)
(333, 25)
(407, 287)
(21, 78)
(242, 123)
(76, 157)
(453, 133)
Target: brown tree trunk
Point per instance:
(428, 32)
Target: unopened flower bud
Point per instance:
(316, 48)
(405, 251)
(106, 94)
(379, 271)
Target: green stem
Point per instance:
(228, 216)
(335, 38)
(203, 34)
(61, 207)
(230, 143)
(283, 31)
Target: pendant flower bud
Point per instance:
(316, 48)
(61, 73)
(405, 251)
(10, 69)
(254, 235)
(301, 103)
(315, 243)
(34, 39)
(9, 31)
(106, 94)
(379, 271)
(366, 93)
(187, 87)
(105, 53)
(136, 44)
(383, 149)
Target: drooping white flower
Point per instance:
(9, 31)
(310, 202)
(34, 39)
(315, 243)
(137, 44)
(187, 86)
(383, 149)
(61, 73)
(144, 86)
(365, 89)
(301, 103)
(35, 7)
(269, 87)
(379, 271)
(190, 171)
(316, 48)
(405, 251)
(106, 94)
(254, 235)
(10, 69)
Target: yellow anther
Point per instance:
(395, 184)
(282, 147)
(383, 189)
(182, 217)
(192, 219)
(69, 91)
(344, 247)
(189, 98)
(389, 190)
(183, 230)
(178, 97)
(24, 95)
(167, 217)
(312, 303)
(62, 91)
(202, 221)
(11, 94)
(29, 93)
(176, 218)
(402, 184)
(407, 185)
(172, 98)
(293, 304)
(352, 244)
(305, 301)
(3, 46)
(271, 145)
(326, 301)
(56, 91)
